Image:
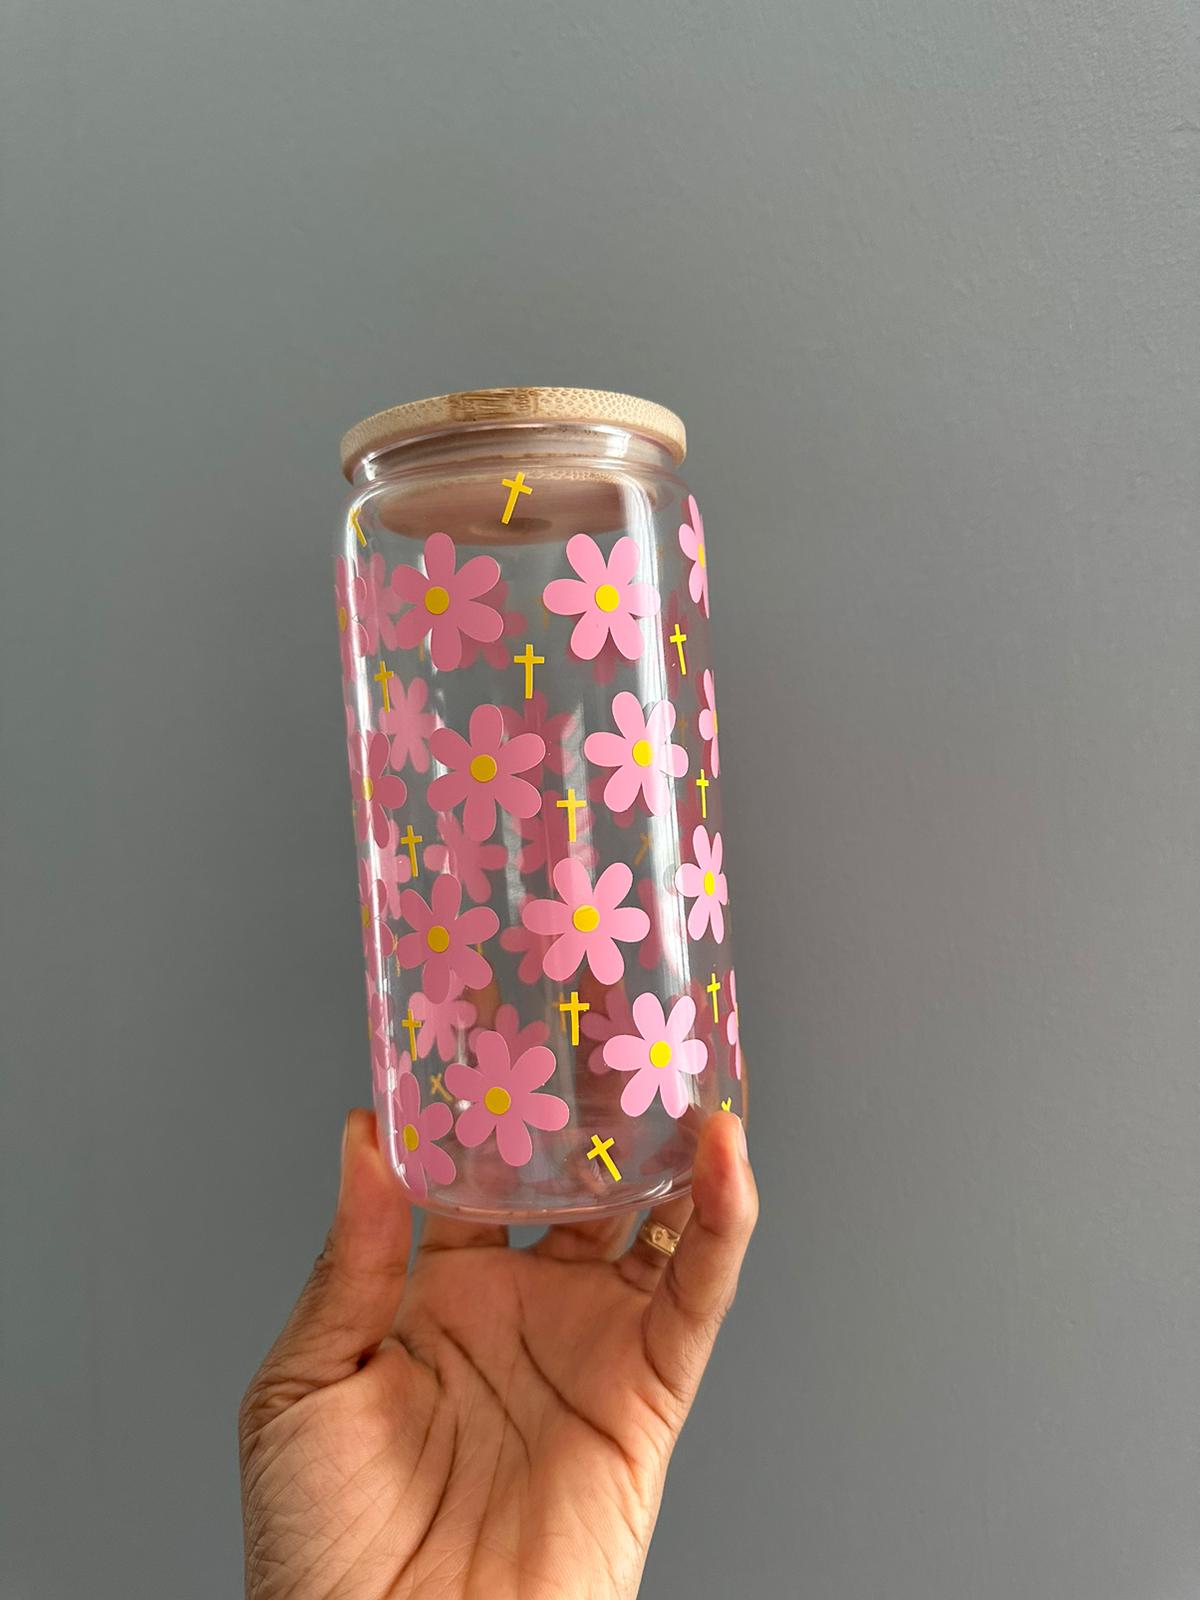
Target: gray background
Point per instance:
(921, 277)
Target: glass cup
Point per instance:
(523, 613)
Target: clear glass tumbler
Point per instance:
(523, 612)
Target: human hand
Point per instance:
(491, 1421)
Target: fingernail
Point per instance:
(342, 1155)
(741, 1128)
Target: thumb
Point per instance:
(353, 1292)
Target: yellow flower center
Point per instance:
(410, 1136)
(586, 919)
(483, 769)
(607, 597)
(438, 939)
(710, 883)
(366, 915)
(368, 788)
(660, 1054)
(497, 1101)
(700, 553)
(643, 752)
(437, 599)
(714, 717)
(343, 619)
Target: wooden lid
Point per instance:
(476, 406)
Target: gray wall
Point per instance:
(922, 279)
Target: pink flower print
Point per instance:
(559, 734)
(383, 1046)
(416, 1154)
(378, 939)
(603, 597)
(518, 1039)
(444, 1023)
(497, 654)
(708, 723)
(731, 1025)
(445, 602)
(468, 861)
(704, 880)
(350, 598)
(443, 941)
(641, 752)
(691, 542)
(660, 1055)
(483, 772)
(547, 836)
(503, 1097)
(650, 949)
(616, 1018)
(408, 724)
(373, 787)
(587, 921)
(530, 946)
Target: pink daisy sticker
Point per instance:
(443, 941)
(530, 946)
(559, 734)
(731, 1025)
(408, 724)
(547, 836)
(503, 1097)
(691, 542)
(616, 1018)
(416, 1154)
(641, 753)
(705, 881)
(483, 772)
(587, 921)
(660, 1055)
(469, 861)
(708, 723)
(444, 1023)
(445, 602)
(374, 788)
(518, 1039)
(499, 653)
(604, 597)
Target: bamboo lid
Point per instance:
(478, 406)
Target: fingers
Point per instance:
(354, 1290)
(697, 1286)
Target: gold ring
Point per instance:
(659, 1237)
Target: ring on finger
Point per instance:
(659, 1237)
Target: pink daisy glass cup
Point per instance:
(521, 585)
